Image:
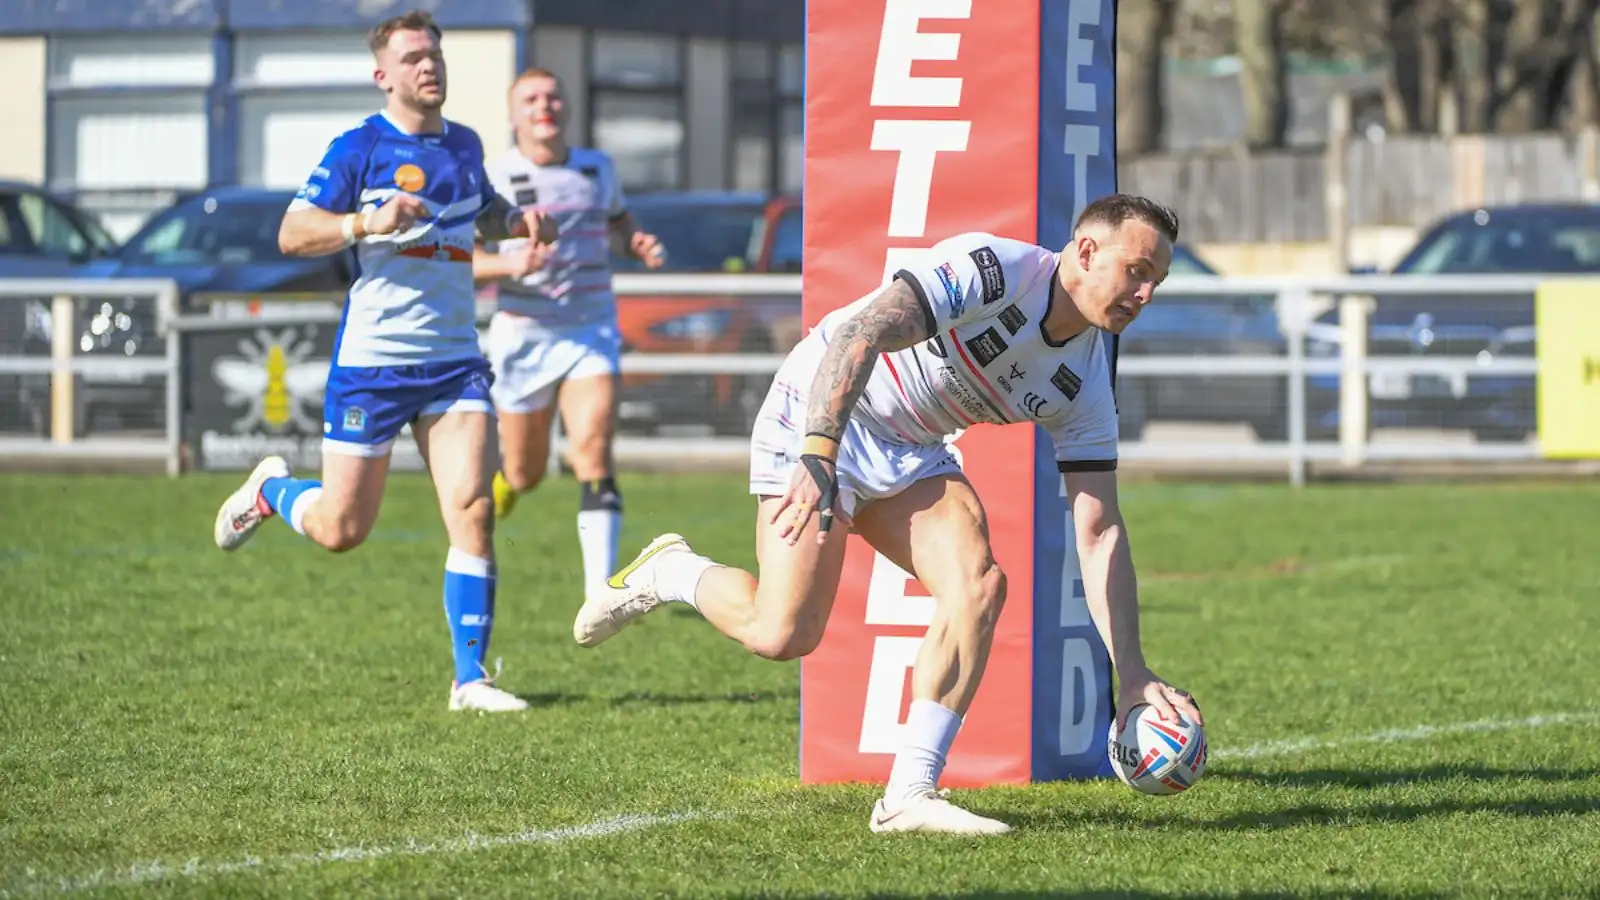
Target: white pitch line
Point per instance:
(1401, 735)
(141, 873)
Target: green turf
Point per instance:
(185, 722)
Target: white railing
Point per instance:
(1298, 303)
(64, 365)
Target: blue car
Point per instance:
(221, 241)
(1197, 324)
(41, 236)
(1534, 239)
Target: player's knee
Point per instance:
(784, 644)
(590, 452)
(345, 532)
(523, 478)
(786, 638)
(600, 494)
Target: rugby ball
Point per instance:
(1157, 756)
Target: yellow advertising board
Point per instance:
(1567, 321)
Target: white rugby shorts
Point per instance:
(870, 467)
(531, 360)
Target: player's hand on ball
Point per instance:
(813, 489)
(647, 247)
(399, 213)
(1147, 687)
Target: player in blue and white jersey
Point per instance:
(554, 341)
(407, 189)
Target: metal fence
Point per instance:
(1261, 372)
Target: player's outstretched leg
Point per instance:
(936, 530)
(779, 616)
(337, 512)
(460, 449)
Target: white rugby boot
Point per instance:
(245, 509)
(629, 594)
(482, 695)
(931, 812)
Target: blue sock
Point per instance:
(284, 494)
(469, 605)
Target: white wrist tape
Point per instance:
(347, 227)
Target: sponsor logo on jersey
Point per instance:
(1013, 318)
(527, 196)
(987, 346)
(956, 390)
(519, 178)
(947, 277)
(994, 278)
(1067, 381)
(410, 178)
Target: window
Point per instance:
(768, 117)
(297, 92)
(792, 121)
(636, 107)
(282, 137)
(53, 233)
(128, 114)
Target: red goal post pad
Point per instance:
(925, 119)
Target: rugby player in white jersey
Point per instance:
(554, 338)
(981, 329)
(407, 189)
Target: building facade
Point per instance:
(124, 104)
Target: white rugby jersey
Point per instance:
(989, 359)
(413, 300)
(583, 195)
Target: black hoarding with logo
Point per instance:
(255, 389)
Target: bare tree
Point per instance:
(1259, 34)
(1143, 27)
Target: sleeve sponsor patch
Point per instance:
(952, 288)
(990, 272)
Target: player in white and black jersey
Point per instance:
(554, 342)
(855, 430)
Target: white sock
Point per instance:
(930, 729)
(297, 509)
(680, 576)
(598, 533)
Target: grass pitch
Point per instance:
(1401, 687)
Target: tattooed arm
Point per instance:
(895, 319)
(898, 317)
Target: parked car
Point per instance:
(1533, 239)
(221, 241)
(1202, 325)
(710, 233)
(41, 236)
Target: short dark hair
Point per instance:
(1114, 209)
(415, 20)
